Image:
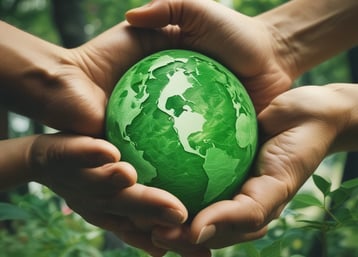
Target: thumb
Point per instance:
(159, 13)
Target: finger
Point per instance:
(222, 229)
(191, 24)
(125, 230)
(120, 47)
(177, 240)
(103, 220)
(89, 152)
(130, 234)
(282, 166)
(152, 204)
(159, 13)
(106, 180)
(146, 206)
(143, 241)
(243, 218)
(81, 162)
(61, 150)
(156, 14)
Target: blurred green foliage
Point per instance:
(35, 17)
(41, 229)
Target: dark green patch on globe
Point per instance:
(186, 124)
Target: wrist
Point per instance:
(309, 32)
(27, 70)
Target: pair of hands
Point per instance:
(299, 128)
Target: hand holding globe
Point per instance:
(186, 124)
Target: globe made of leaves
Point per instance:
(186, 124)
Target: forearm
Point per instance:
(313, 31)
(14, 167)
(27, 68)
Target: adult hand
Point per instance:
(266, 52)
(68, 89)
(253, 50)
(87, 173)
(301, 127)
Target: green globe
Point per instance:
(186, 124)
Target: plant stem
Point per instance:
(326, 208)
(324, 242)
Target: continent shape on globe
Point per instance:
(186, 124)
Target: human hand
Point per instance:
(87, 173)
(253, 50)
(95, 69)
(266, 58)
(301, 127)
(68, 89)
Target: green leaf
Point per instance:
(272, 250)
(338, 197)
(12, 212)
(344, 215)
(323, 185)
(350, 184)
(352, 223)
(250, 249)
(313, 224)
(305, 200)
(327, 225)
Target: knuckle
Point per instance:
(259, 218)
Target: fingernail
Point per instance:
(206, 233)
(173, 217)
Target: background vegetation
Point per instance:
(320, 221)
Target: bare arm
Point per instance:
(313, 31)
(39, 157)
(68, 88)
(27, 70)
(267, 53)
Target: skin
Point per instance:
(68, 89)
(32, 71)
(89, 175)
(267, 52)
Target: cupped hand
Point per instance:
(254, 51)
(300, 127)
(87, 173)
(77, 88)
